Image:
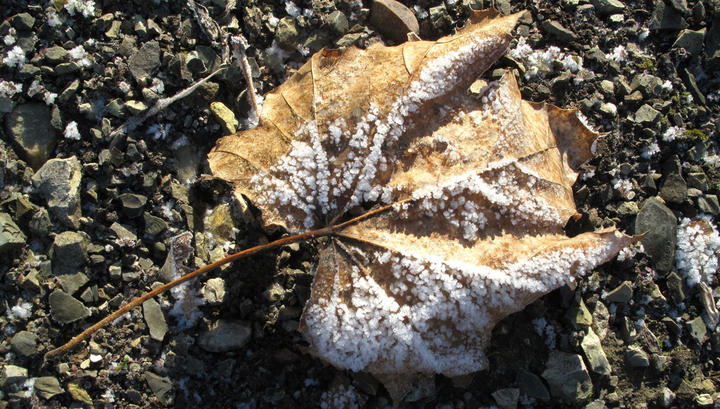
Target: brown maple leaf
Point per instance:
(467, 200)
(470, 197)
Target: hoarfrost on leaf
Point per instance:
(468, 198)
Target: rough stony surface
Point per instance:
(660, 59)
(59, 182)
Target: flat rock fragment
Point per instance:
(65, 308)
(471, 194)
(155, 319)
(394, 20)
(59, 182)
(224, 336)
(567, 376)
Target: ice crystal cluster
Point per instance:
(541, 62)
(697, 244)
(475, 192)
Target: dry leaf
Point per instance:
(481, 189)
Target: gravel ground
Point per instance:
(87, 215)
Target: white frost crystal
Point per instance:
(697, 243)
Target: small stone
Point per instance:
(214, 291)
(40, 223)
(667, 397)
(608, 109)
(188, 163)
(698, 330)
(697, 180)
(123, 233)
(690, 83)
(69, 249)
(506, 398)
(224, 336)
(132, 204)
(47, 387)
(628, 209)
(338, 23)
(224, 116)
(11, 237)
(647, 116)
(440, 18)
(59, 182)
(607, 87)
(194, 63)
(674, 188)
(704, 400)
(145, 61)
(601, 319)
(79, 394)
(67, 68)
(659, 225)
(136, 107)
(56, 55)
(155, 319)
(116, 107)
(531, 385)
(691, 41)
(708, 204)
(23, 21)
(393, 20)
(24, 343)
(30, 127)
(154, 225)
(554, 28)
(622, 294)
(12, 374)
(567, 376)
(595, 354)
(607, 7)
(637, 357)
(289, 313)
(161, 386)
(578, 314)
(666, 18)
(31, 281)
(286, 34)
(65, 308)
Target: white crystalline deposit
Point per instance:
(306, 177)
(697, 244)
(399, 325)
(539, 62)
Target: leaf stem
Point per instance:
(324, 232)
(138, 301)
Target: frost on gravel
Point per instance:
(697, 243)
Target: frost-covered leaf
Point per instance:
(478, 189)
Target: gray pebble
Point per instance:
(637, 357)
(155, 319)
(11, 237)
(567, 376)
(24, 343)
(30, 126)
(59, 182)
(224, 336)
(65, 308)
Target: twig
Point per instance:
(240, 44)
(333, 230)
(161, 104)
(138, 301)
